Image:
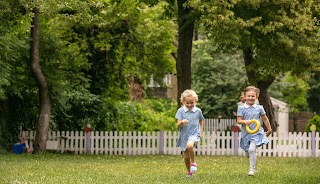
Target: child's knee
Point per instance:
(190, 145)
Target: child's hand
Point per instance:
(268, 132)
(247, 122)
(185, 121)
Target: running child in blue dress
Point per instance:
(190, 121)
(250, 110)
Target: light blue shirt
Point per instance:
(247, 113)
(190, 131)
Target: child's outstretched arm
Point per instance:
(201, 127)
(241, 121)
(266, 121)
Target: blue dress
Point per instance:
(247, 113)
(190, 131)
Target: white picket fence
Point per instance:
(218, 124)
(163, 142)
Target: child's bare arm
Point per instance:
(241, 121)
(201, 127)
(266, 121)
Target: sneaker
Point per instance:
(189, 174)
(193, 167)
(251, 173)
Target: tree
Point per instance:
(274, 36)
(185, 34)
(9, 43)
(313, 94)
(44, 97)
(112, 49)
(218, 78)
(292, 90)
(87, 58)
(42, 74)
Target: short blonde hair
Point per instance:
(188, 93)
(252, 88)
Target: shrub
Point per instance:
(314, 121)
(150, 115)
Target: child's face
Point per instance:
(189, 102)
(250, 97)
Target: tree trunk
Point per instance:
(265, 101)
(254, 79)
(137, 92)
(183, 65)
(44, 98)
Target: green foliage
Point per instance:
(88, 49)
(17, 98)
(136, 42)
(314, 121)
(275, 36)
(283, 35)
(151, 115)
(313, 93)
(81, 108)
(291, 89)
(12, 44)
(218, 79)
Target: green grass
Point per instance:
(95, 169)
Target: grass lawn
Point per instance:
(95, 169)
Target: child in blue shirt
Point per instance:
(250, 110)
(190, 122)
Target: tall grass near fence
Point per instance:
(153, 169)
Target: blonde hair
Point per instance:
(188, 93)
(252, 88)
(242, 98)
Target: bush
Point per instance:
(150, 115)
(314, 121)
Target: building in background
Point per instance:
(281, 113)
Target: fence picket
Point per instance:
(106, 142)
(317, 144)
(153, 143)
(299, 144)
(308, 144)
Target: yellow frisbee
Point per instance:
(254, 130)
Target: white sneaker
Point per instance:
(251, 173)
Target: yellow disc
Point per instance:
(254, 130)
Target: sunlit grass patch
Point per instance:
(67, 168)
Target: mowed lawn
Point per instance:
(95, 169)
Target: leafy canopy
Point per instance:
(283, 35)
(217, 78)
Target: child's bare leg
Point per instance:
(190, 149)
(186, 157)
